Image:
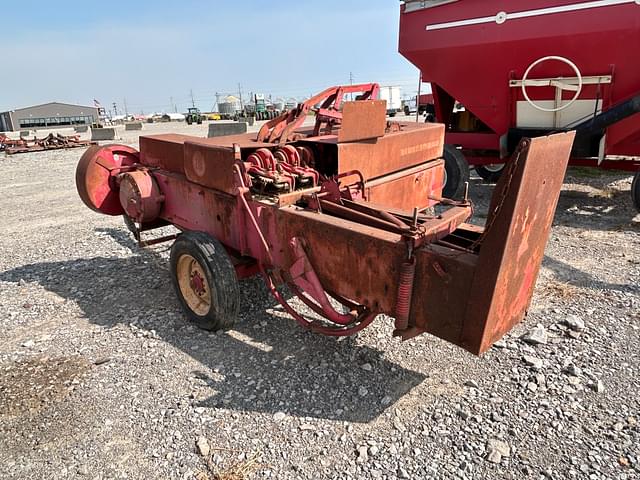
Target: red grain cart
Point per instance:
(523, 68)
(342, 213)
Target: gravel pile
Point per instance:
(101, 377)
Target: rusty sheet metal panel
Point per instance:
(163, 151)
(210, 166)
(362, 120)
(517, 231)
(409, 188)
(192, 207)
(359, 262)
(395, 151)
(442, 284)
(166, 151)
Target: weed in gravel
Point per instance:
(557, 289)
(239, 470)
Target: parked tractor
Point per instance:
(194, 116)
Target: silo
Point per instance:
(229, 106)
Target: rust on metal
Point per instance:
(340, 213)
(513, 244)
(52, 141)
(363, 120)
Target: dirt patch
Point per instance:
(28, 386)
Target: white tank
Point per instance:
(229, 105)
(278, 104)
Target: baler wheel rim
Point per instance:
(193, 284)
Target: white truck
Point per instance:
(393, 96)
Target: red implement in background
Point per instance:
(503, 70)
(351, 219)
(50, 142)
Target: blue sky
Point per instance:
(148, 51)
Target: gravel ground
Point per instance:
(101, 376)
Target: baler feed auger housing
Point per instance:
(341, 213)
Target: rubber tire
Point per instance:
(635, 191)
(487, 175)
(221, 277)
(457, 170)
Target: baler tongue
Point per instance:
(473, 299)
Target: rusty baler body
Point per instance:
(348, 211)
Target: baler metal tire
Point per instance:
(488, 174)
(220, 275)
(635, 191)
(457, 173)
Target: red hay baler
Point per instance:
(504, 70)
(348, 214)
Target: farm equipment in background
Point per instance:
(348, 214)
(50, 142)
(529, 68)
(258, 109)
(6, 142)
(393, 97)
(422, 105)
(194, 116)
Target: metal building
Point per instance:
(47, 115)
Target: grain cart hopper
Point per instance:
(523, 68)
(342, 213)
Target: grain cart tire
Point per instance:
(490, 173)
(456, 172)
(635, 191)
(205, 281)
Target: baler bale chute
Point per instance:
(525, 68)
(348, 214)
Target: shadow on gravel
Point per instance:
(602, 208)
(267, 362)
(565, 273)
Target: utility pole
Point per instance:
(172, 106)
(193, 102)
(351, 83)
(418, 97)
(115, 109)
(126, 111)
